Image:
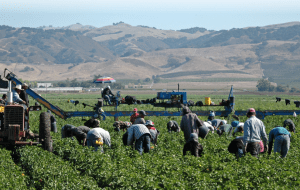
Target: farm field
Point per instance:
(72, 166)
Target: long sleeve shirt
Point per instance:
(136, 131)
(66, 130)
(209, 126)
(190, 123)
(154, 133)
(290, 124)
(254, 129)
(237, 128)
(80, 132)
(139, 120)
(16, 97)
(133, 117)
(97, 133)
(216, 122)
(226, 128)
(24, 96)
(278, 131)
(173, 126)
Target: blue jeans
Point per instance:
(107, 98)
(282, 145)
(143, 142)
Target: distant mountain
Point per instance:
(126, 51)
(38, 46)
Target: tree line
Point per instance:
(265, 85)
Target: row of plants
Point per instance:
(165, 167)
(47, 171)
(11, 175)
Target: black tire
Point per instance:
(44, 132)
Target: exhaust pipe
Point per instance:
(9, 94)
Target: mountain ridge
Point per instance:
(139, 52)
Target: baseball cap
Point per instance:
(135, 109)
(142, 112)
(251, 110)
(149, 122)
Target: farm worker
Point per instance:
(66, 131)
(190, 123)
(16, 95)
(203, 131)
(227, 128)
(121, 125)
(254, 129)
(134, 115)
(290, 124)
(193, 146)
(142, 135)
(24, 95)
(53, 122)
(73, 102)
(140, 118)
(216, 123)
(238, 127)
(92, 123)
(211, 116)
(236, 147)
(80, 133)
(96, 137)
(153, 131)
(282, 141)
(209, 126)
(173, 126)
(16, 99)
(3, 100)
(107, 94)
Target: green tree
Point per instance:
(147, 80)
(293, 89)
(264, 85)
(156, 80)
(281, 88)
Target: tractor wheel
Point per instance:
(44, 132)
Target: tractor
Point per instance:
(14, 123)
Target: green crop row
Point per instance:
(165, 167)
(47, 171)
(11, 175)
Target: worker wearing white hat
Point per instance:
(16, 95)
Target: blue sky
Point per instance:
(162, 14)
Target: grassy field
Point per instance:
(164, 167)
